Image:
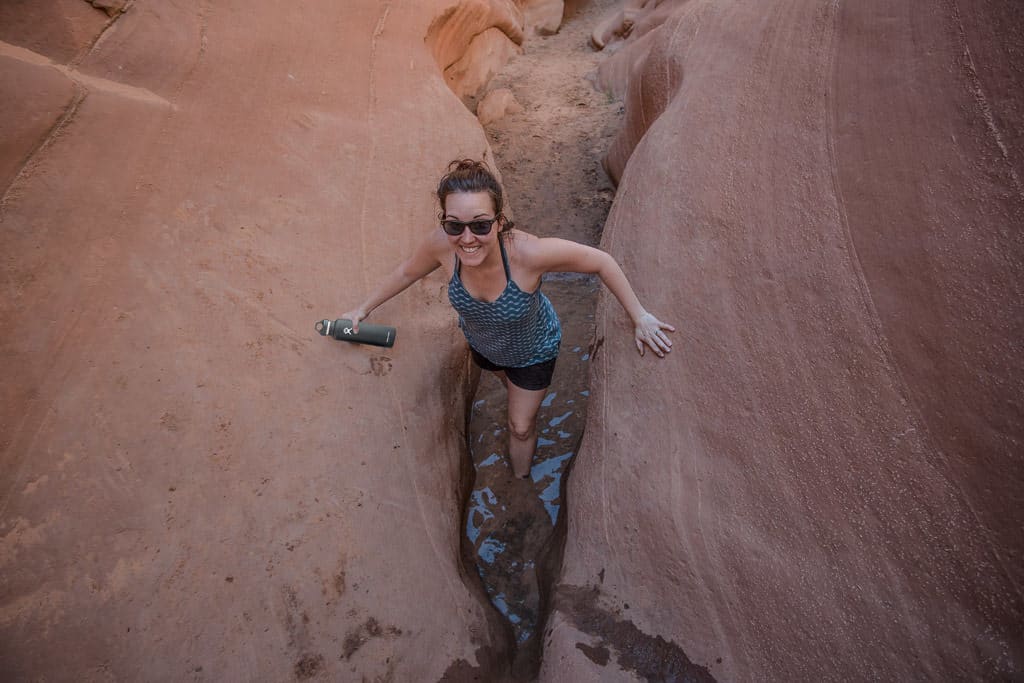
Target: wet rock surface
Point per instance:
(617, 639)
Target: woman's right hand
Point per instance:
(355, 316)
(650, 331)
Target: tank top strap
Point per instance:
(504, 259)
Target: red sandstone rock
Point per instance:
(197, 485)
(484, 57)
(32, 118)
(111, 7)
(630, 22)
(635, 73)
(618, 24)
(542, 16)
(451, 33)
(823, 480)
(59, 29)
(497, 104)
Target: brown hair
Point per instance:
(468, 175)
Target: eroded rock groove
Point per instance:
(549, 155)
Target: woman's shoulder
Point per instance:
(531, 246)
(521, 241)
(515, 234)
(529, 251)
(520, 245)
(550, 254)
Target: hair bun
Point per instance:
(468, 165)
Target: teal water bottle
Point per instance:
(377, 335)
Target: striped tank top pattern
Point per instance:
(515, 330)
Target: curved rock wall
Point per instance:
(471, 40)
(648, 71)
(823, 481)
(196, 485)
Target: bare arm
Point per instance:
(558, 255)
(423, 261)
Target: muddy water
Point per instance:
(550, 160)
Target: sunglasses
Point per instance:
(478, 227)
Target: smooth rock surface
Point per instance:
(543, 17)
(646, 69)
(196, 485)
(619, 24)
(485, 55)
(496, 105)
(44, 95)
(823, 481)
(62, 30)
(451, 34)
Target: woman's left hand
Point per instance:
(651, 331)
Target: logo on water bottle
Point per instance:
(346, 330)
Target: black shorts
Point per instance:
(531, 378)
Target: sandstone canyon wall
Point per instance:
(824, 480)
(195, 484)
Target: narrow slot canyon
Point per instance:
(822, 482)
(549, 149)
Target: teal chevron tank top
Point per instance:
(515, 330)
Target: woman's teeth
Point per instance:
(470, 250)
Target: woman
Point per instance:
(494, 277)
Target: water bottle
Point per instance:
(377, 335)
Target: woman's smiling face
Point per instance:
(465, 207)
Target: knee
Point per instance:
(522, 430)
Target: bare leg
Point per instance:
(523, 405)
